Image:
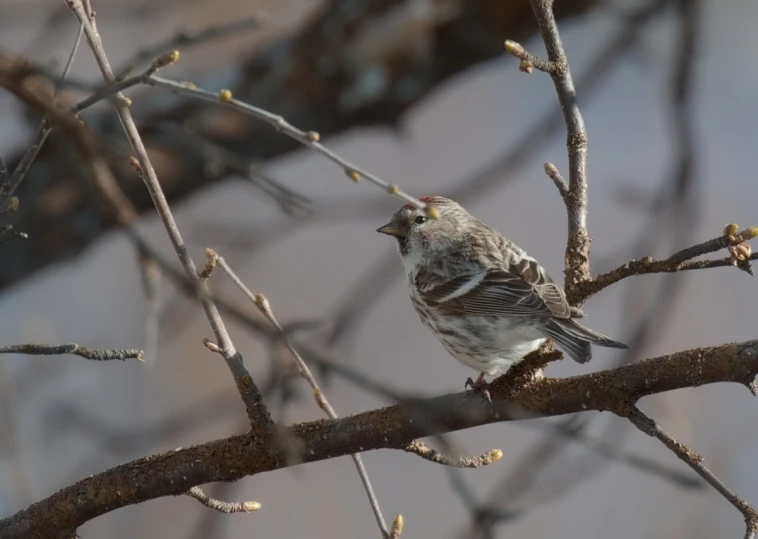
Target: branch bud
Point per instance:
(514, 48)
(730, 229)
(397, 527)
(165, 59)
(212, 346)
(262, 302)
(495, 455)
(249, 507)
(225, 96)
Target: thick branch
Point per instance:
(230, 459)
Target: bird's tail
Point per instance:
(575, 339)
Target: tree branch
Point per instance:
(311, 139)
(578, 246)
(552, 172)
(419, 448)
(73, 349)
(695, 461)
(676, 262)
(220, 506)
(9, 183)
(260, 419)
(263, 305)
(230, 459)
(253, 22)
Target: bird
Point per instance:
(485, 299)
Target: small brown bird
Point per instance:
(487, 301)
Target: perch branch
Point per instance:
(230, 459)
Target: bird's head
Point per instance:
(419, 236)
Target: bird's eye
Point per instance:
(420, 220)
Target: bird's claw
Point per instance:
(480, 386)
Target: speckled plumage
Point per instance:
(486, 300)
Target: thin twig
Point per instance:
(552, 172)
(259, 417)
(264, 306)
(73, 349)
(397, 527)
(310, 139)
(425, 452)
(578, 244)
(291, 202)
(695, 461)
(111, 89)
(676, 262)
(212, 524)
(150, 272)
(254, 22)
(529, 60)
(9, 184)
(222, 507)
(69, 63)
(612, 452)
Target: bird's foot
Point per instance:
(481, 386)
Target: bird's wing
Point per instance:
(522, 289)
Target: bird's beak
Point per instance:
(391, 230)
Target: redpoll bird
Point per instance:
(487, 301)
